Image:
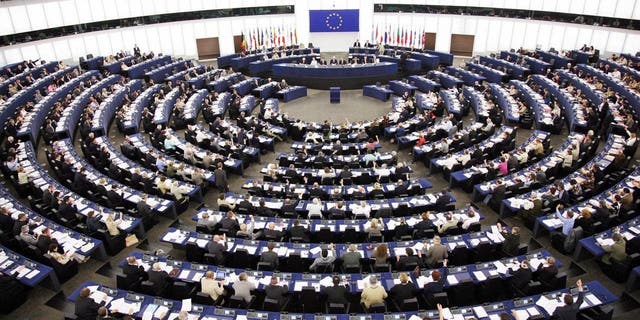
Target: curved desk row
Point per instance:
(344, 76)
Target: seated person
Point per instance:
(403, 290)
(351, 257)
(372, 293)
(86, 308)
(275, 291)
(521, 277)
(548, 271)
(327, 258)
(436, 252)
(133, 270)
(270, 256)
(336, 293)
(243, 287)
(410, 259)
(213, 287)
(615, 252)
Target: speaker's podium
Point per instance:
(334, 94)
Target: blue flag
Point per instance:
(334, 20)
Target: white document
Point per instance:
(452, 279)
(480, 312)
(480, 275)
(186, 305)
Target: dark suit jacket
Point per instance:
(336, 294)
(134, 272)
(276, 292)
(269, 257)
(547, 274)
(299, 232)
(400, 292)
(160, 279)
(521, 277)
(569, 312)
(87, 309)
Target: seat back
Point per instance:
(378, 308)
(410, 304)
(271, 305)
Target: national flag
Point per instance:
(376, 36)
(411, 32)
(296, 35)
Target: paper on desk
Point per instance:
(415, 317)
(32, 274)
(265, 281)
(186, 305)
(418, 246)
(452, 279)
(522, 314)
(533, 311)
(480, 312)
(480, 275)
(315, 250)
(500, 267)
(149, 312)
(593, 300)
(422, 280)
(446, 313)
(549, 306)
(161, 312)
(98, 296)
(535, 263)
(326, 282)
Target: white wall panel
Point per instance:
(136, 8)
(6, 27)
(77, 46)
(91, 43)
(83, 9)
(46, 51)
(518, 36)
(624, 8)
(599, 38)
(53, 13)
(506, 32)
(176, 40)
(30, 52)
(615, 41)
(549, 5)
(189, 39)
(563, 6)
(97, 10)
(122, 7)
(128, 39)
(544, 35)
(37, 17)
(577, 6)
(570, 37)
(159, 40)
(142, 39)
(482, 31)
(20, 19)
(12, 55)
(606, 8)
(636, 11)
(111, 11)
(592, 7)
(584, 37)
(104, 45)
(443, 39)
(493, 41)
(61, 49)
(557, 36)
(457, 24)
(530, 37)
(521, 4)
(632, 43)
(115, 39)
(69, 12)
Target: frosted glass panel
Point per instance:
(530, 36)
(104, 44)
(549, 5)
(111, 9)
(517, 38)
(591, 7)
(480, 41)
(69, 14)
(97, 11)
(62, 49)
(122, 6)
(116, 42)
(30, 52)
(136, 8)
(492, 41)
(176, 39)
(7, 27)
(84, 10)
(37, 17)
(570, 35)
(20, 18)
(584, 37)
(46, 52)
(78, 47)
(544, 35)
(616, 42)
(13, 55)
(506, 31)
(563, 6)
(54, 15)
(557, 35)
(624, 9)
(632, 43)
(577, 6)
(607, 8)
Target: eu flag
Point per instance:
(334, 20)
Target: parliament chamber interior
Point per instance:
(326, 160)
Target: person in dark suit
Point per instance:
(86, 308)
(404, 261)
(547, 273)
(216, 248)
(425, 224)
(159, 278)
(144, 210)
(511, 240)
(271, 233)
(570, 310)
(68, 210)
(521, 277)
(93, 222)
(230, 223)
(337, 212)
(22, 220)
(245, 204)
(45, 240)
(275, 291)
(443, 201)
(403, 290)
(220, 177)
(263, 210)
(270, 256)
(12, 292)
(298, 231)
(336, 293)
(401, 188)
(133, 270)
(437, 285)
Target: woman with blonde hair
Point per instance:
(112, 224)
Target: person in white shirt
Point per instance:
(361, 210)
(615, 74)
(315, 208)
(214, 288)
(472, 217)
